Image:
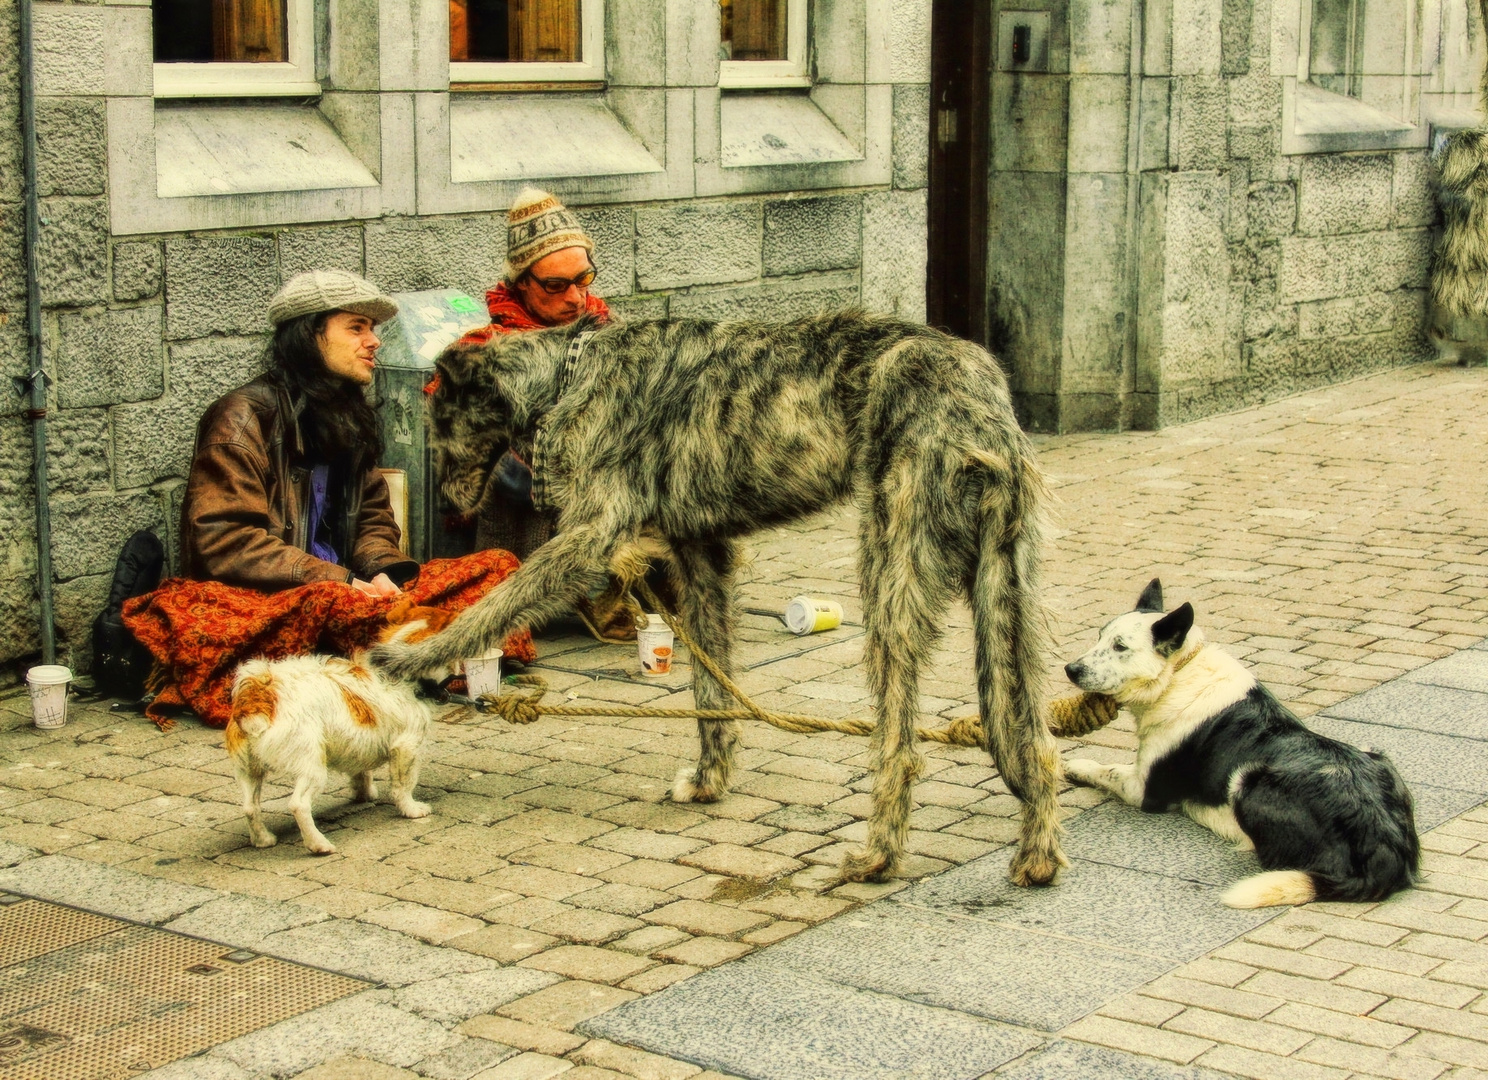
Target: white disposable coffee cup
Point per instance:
(654, 642)
(48, 686)
(483, 674)
(808, 615)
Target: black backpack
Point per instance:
(120, 664)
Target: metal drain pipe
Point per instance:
(36, 382)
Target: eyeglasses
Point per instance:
(555, 286)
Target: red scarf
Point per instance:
(508, 315)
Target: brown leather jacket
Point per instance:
(244, 517)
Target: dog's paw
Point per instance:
(1084, 771)
(867, 865)
(264, 839)
(320, 847)
(685, 788)
(399, 661)
(1036, 867)
(413, 808)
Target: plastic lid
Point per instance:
(800, 615)
(48, 673)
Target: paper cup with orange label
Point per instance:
(654, 641)
(808, 615)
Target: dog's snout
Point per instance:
(1073, 670)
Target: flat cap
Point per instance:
(315, 291)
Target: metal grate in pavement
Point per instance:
(29, 928)
(99, 999)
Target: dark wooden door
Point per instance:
(960, 74)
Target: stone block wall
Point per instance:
(142, 330)
(1167, 241)
(1280, 275)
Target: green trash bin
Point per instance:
(427, 323)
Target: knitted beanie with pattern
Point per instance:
(537, 225)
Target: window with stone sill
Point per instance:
(763, 44)
(1354, 65)
(234, 48)
(526, 41)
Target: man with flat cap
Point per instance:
(284, 488)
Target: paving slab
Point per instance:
(12, 854)
(1436, 805)
(1465, 670)
(1001, 972)
(1423, 757)
(1064, 1060)
(464, 1059)
(452, 998)
(1424, 704)
(370, 952)
(766, 1022)
(1149, 914)
(365, 1023)
(246, 920)
(107, 890)
(1172, 844)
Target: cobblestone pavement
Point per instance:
(1335, 541)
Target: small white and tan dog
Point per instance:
(304, 715)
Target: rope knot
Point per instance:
(965, 731)
(518, 708)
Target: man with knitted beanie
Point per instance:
(549, 268)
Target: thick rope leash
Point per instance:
(1071, 716)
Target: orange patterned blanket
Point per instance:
(200, 631)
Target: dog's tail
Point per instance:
(1008, 617)
(1010, 647)
(255, 700)
(1271, 889)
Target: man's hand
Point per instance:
(381, 585)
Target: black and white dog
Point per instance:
(1326, 820)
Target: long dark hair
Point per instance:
(337, 422)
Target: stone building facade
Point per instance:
(168, 222)
(1192, 205)
(1197, 205)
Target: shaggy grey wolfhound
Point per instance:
(701, 433)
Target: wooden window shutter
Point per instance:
(546, 30)
(759, 29)
(254, 31)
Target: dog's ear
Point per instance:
(1151, 598)
(458, 363)
(1169, 632)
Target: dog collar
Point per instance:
(541, 499)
